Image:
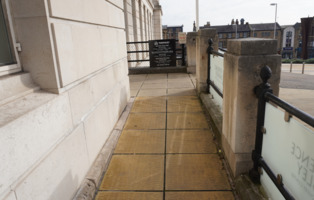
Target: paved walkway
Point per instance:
(297, 68)
(298, 90)
(166, 150)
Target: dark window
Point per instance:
(288, 38)
(6, 55)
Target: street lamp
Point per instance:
(197, 16)
(275, 4)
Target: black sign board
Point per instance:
(162, 53)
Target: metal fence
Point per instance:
(138, 54)
(283, 156)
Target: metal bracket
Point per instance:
(260, 170)
(18, 47)
(279, 179)
(287, 116)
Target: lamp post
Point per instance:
(236, 36)
(275, 4)
(197, 16)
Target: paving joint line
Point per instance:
(165, 155)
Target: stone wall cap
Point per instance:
(192, 34)
(207, 31)
(252, 46)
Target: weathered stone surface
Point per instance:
(191, 52)
(86, 191)
(95, 174)
(247, 190)
(59, 175)
(252, 46)
(202, 57)
(241, 75)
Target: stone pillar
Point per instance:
(157, 20)
(203, 36)
(242, 65)
(191, 52)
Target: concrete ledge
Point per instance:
(238, 162)
(214, 113)
(247, 190)
(244, 187)
(15, 86)
(93, 178)
(157, 70)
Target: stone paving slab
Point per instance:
(166, 150)
(182, 92)
(134, 172)
(145, 121)
(141, 141)
(162, 85)
(155, 92)
(149, 104)
(199, 195)
(195, 172)
(302, 99)
(186, 121)
(130, 196)
(184, 104)
(190, 141)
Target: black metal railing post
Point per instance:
(183, 54)
(260, 92)
(209, 50)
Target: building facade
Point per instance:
(171, 32)
(307, 29)
(267, 31)
(240, 29)
(291, 41)
(233, 31)
(142, 20)
(63, 84)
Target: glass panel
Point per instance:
(216, 76)
(288, 150)
(5, 49)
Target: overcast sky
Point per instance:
(221, 12)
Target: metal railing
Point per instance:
(138, 54)
(264, 95)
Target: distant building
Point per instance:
(307, 25)
(226, 32)
(267, 31)
(243, 30)
(171, 32)
(291, 40)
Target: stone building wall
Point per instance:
(139, 16)
(58, 112)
